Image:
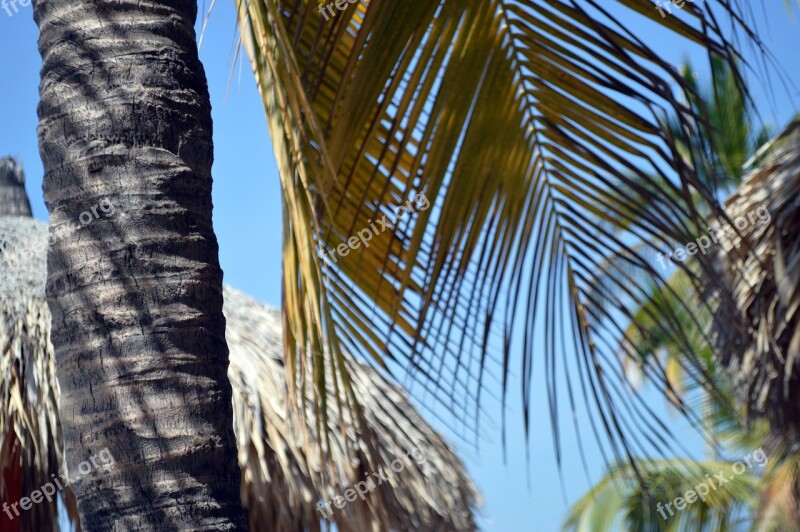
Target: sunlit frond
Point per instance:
(516, 136)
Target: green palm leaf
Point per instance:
(621, 499)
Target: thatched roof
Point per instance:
(30, 433)
(430, 492)
(283, 479)
(758, 336)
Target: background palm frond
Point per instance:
(624, 503)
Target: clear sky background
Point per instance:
(247, 216)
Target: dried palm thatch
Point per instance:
(283, 484)
(758, 339)
(30, 433)
(282, 479)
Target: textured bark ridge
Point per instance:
(134, 284)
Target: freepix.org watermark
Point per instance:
(665, 6)
(420, 202)
(701, 490)
(8, 5)
(327, 9)
(360, 489)
(60, 482)
(703, 244)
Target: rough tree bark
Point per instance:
(134, 284)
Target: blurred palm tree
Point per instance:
(755, 389)
(765, 499)
(727, 144)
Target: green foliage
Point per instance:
(619, 501)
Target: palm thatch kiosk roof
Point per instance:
(430, 491)
(758, 339)
(283, 477)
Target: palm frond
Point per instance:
(510, 117)
(720, 155)
(727, 119)
(778, 508)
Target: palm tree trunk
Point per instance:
(134, 283)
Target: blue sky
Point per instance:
(248, 219)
